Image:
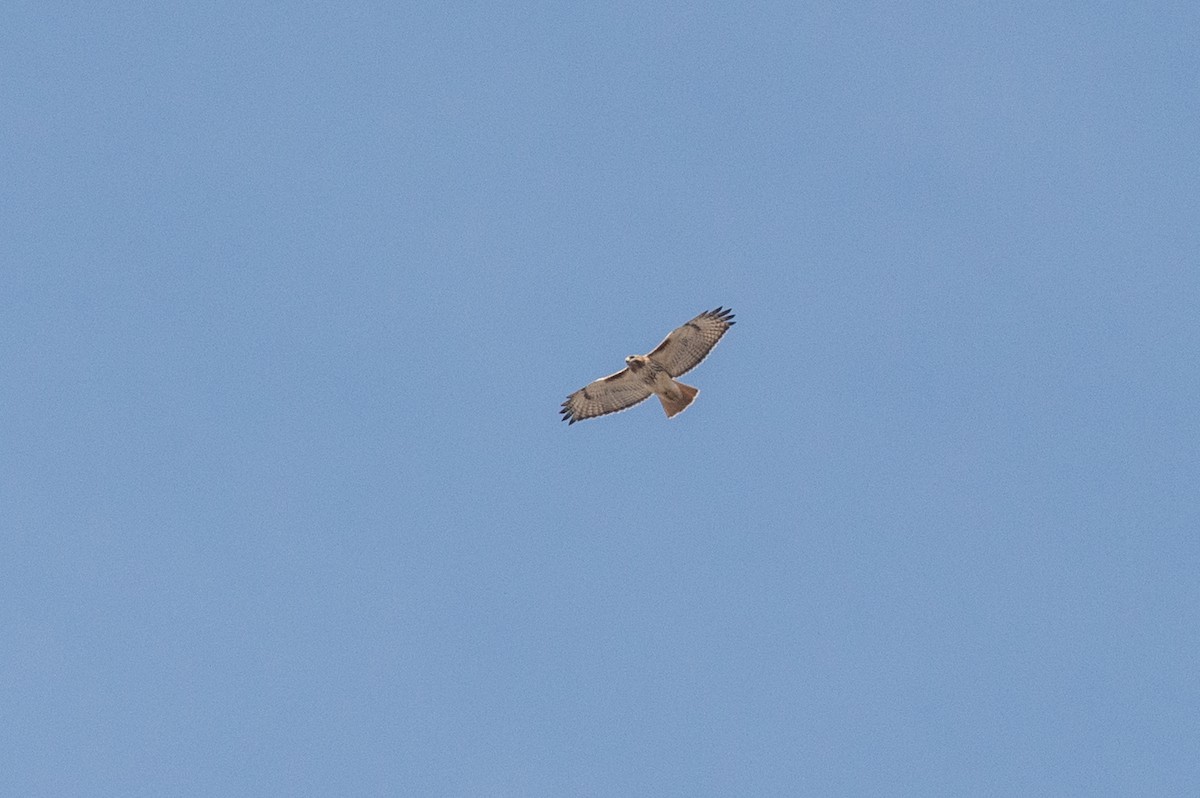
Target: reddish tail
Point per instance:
(678, 399)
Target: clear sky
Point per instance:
(289, 298)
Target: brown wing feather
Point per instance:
(686, 346)
(606, 395)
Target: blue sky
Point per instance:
(289, 298)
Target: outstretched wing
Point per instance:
(606, 395)
(685, 347)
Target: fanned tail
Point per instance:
(683, 395)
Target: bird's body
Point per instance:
(653, 374)
(674, 395)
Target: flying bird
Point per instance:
(653, 374)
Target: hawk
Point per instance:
(653, 374)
